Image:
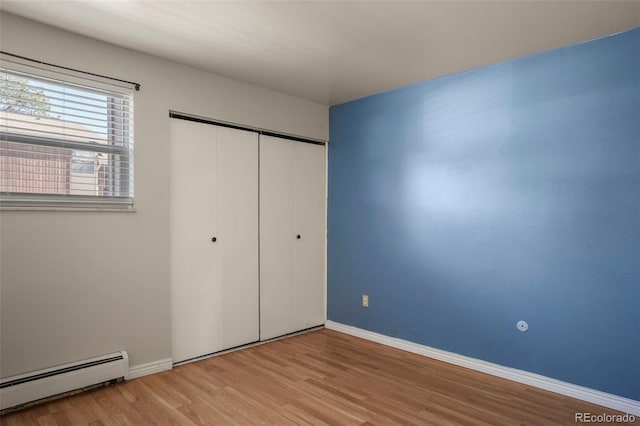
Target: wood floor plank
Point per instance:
(318, 378)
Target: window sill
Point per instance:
(68, 209)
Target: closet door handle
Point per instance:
(214, 239)
(298, 237)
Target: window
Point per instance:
(65, 140)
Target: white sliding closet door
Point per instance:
(214, 238)
(292, 236)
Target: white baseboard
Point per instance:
(150, 368)
(604, 399)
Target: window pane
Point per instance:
(35, 169)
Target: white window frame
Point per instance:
(15, 200)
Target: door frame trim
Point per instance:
(266, 132)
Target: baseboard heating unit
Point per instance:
(29, 387)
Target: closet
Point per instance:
(247, 237)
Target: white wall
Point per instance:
(79, 284)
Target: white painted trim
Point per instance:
(604, 399)
(150, 368)
(326, 227)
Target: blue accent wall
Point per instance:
(463, 204)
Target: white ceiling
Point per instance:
(334, 51)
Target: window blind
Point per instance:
(64, 138)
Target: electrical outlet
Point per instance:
(365, 301)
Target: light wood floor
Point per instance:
(322, 377)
